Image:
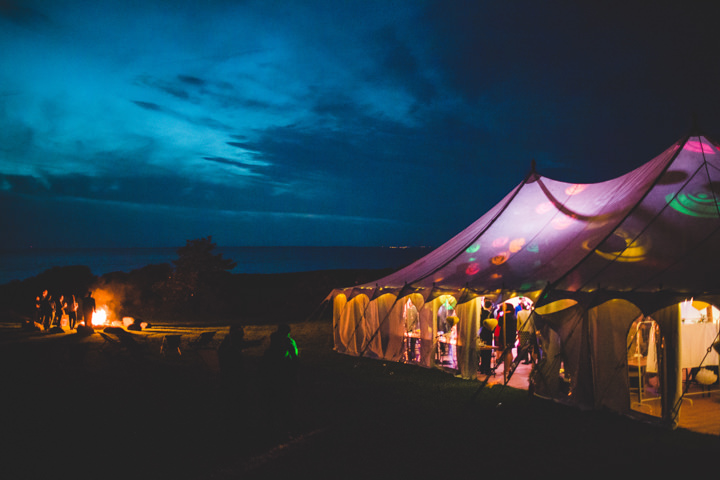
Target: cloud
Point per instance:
(22, 15)
(425, 113)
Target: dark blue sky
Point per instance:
(147, 123)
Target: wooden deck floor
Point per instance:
(700, 412)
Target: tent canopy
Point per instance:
(593, 257)
(654, 229)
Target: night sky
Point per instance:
(148, 123)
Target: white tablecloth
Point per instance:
(696, 339)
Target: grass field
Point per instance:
(83, 407)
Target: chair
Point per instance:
(123, 341)
(109, 341)
(203, 340)
(128, 342)
(170, 345)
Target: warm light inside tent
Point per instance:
(696, 311)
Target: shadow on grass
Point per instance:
(68, 407)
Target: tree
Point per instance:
(196, 270)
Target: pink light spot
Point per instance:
(473, 269)
(575, 189)
(499, 242)
(561, 223)
(699, 147)
(543, 208)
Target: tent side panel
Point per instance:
(339, 304)
(371, 343)
(428, 334)
(562, 342)
(467, 330)
(351, 328)
(669, 320)
(389, 318)
(609, 325)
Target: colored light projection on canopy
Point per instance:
(699, 205)
(702, 202)
(622, 247)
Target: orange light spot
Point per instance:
(517, 244)
(499, 259)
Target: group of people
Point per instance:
(501, 330)
(50, 310)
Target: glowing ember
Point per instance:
(100, 317)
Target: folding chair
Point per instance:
(203, 340)
(109, 341)
(170, 345)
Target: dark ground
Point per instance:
(73, 406)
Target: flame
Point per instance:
(100, 317)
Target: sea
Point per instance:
(21, 264)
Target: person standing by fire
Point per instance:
(59, 311)
(44, 309)
(72, 308)
(88, 308)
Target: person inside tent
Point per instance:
(487, 334)
(526, 332)
(446, 310)
(508, 336)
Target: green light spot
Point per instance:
(700, 205)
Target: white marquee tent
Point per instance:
(594, 258)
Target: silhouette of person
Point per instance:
(232, 365)
(45, 310)
(49, 312)
(88, 307)
(508, 336)
(37, 314)
(72, 308)
(487, 334)
(279, 376)
(59, 310)
(526, 332)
